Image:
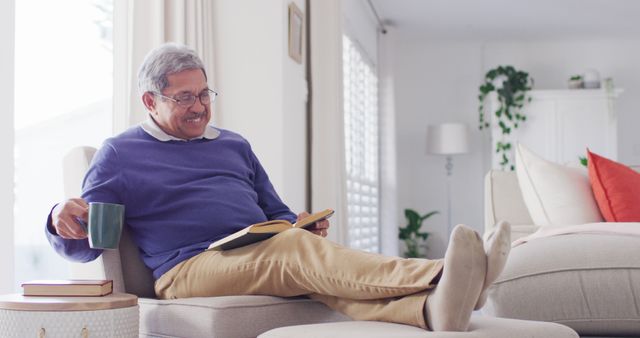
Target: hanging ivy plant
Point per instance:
(511, 86)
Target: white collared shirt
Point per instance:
(151, 127)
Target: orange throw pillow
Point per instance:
(616, 188)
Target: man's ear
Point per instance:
(149, 101)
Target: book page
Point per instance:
(261, 231)
(313, 218)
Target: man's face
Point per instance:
(176, 120)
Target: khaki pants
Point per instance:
(362, 285)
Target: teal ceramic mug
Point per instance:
(105, 225)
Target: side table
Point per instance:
(115, 315)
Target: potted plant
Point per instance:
(411, 234)
(511, 86)
(575, 82)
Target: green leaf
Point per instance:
(422, 218)
(412, 217)
(584, 161)
(423, 235)
(404, 233)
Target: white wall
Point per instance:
(294, 108)
(262, 90)
(437, 81)
(327, 146)
(361, 26)
(7, 29)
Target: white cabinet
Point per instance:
(562, 124)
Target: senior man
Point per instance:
(185, 184)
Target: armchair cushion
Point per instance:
(232, 316)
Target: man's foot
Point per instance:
(449, 305)
(497, 249)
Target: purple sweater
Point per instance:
(179, 196)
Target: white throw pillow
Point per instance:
(555, 194)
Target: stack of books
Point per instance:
(68, 288)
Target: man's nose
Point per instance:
(198, 106)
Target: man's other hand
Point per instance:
(65, 215)
(320, 228)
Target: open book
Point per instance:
(261, 231)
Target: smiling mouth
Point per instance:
(197, 118)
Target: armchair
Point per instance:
(232, 316)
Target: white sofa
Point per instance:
(588, 282)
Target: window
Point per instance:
(63, 91)
(361, 148)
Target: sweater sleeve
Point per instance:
(76, 250)
(268, 199)
(101, 183)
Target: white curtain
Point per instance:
(328, 188)
(7, 52)
(138, 27)
(141, 25)
(389, 211)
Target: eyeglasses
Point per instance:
(187, 100)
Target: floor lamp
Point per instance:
(448, 139)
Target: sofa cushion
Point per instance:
(503, 201)
(481, 327)
(588, 282)
(616, 188)
(555, 194)
(231, 316)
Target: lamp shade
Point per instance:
(447, 138)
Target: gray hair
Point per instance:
(165, 60)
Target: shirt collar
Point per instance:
(151, 127)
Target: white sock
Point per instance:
(497, 249)
(450, 304)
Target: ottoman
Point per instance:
(481, 327)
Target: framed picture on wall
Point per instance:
(296, 30)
